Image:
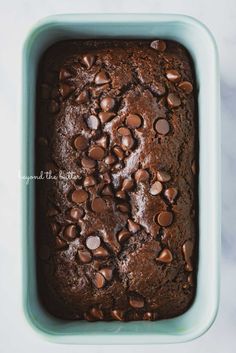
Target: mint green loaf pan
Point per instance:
(199, 42)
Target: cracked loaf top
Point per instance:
(115, 213)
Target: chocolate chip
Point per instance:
(127, 142)
(64, 74)
(60, 243)
(84, 256)
(98, 205)
(110, 159)
(54, 107)
(163, 176)
(107, 104)
(89, 181)
(100, 252)
(75, 213)
(158, 44)
(103, 141)
(136, 302)
(165, 256)
(124, 131)
(106, 178)
(190, 279)
(186, 86)
(121, 194)
(188, 251)
(107, 191)
(171, 194)
(193, 167)
(141, 175)
(82, 97)
(93, 242)
(111, 239)
(150, 316)
(96, 152)
(79, 196)
(173, 100)
(101, 78)
(105, 116)
(88, 60)
(133, 226)
(173, 75)
(81, 143)
(96, 313)
(70, 232)
(123, 235)
(133, 121)
(55, 227)
(44, 252)
(124, 208)
(156, 188)
(127, 184)
(65, 90)
(88, 163)
(118, 315)
(118, 152)
(165, 218)
(99, 280)
(93, 122)
(162, 126)
(107, 273)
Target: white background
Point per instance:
(16, 18)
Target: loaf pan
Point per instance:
(201, 46)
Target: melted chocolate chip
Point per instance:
(156, 188)
(118, 315)
(137, 302)
(186, 86)
(107, 104)
(141, 175)
(159, 45)
(81, 143)
(84, 256)
(101, 78)
(133, 226)
(70, 232)
(171, 194)
(165, 256)
(133, 121)
(162, 126)
(165, 218)
(188, 251)
(88, 60)
(96, 152)
(79, 196)
(98, 205)
(173, 100)
(93, 242)
(173, 75)
(93, 122)
(99, 280)
(105, 116)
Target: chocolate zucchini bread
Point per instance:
(116, 206)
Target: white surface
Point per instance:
(16, 17)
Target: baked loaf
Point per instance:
(116, 143)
